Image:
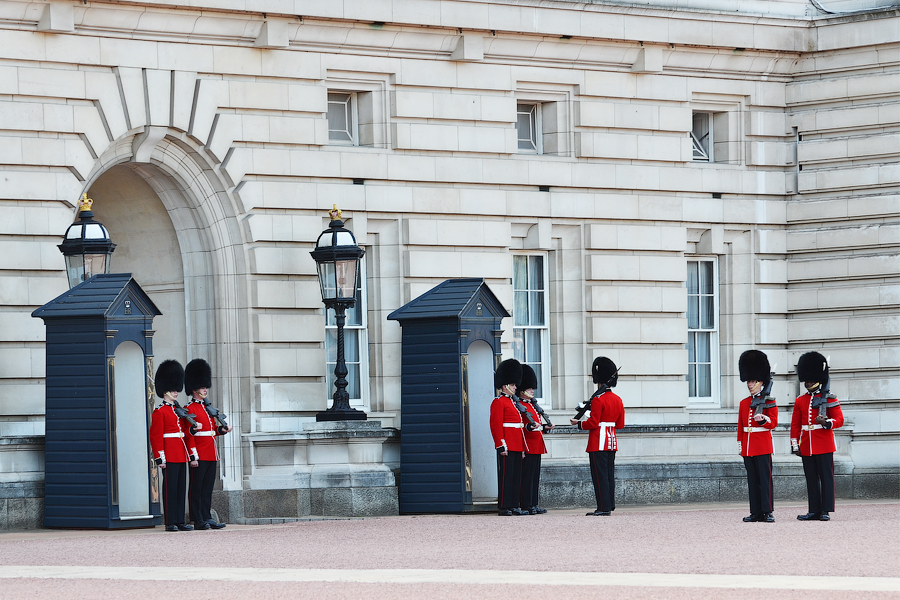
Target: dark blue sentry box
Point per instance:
(450, 348)
(98, 468)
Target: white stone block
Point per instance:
(51, 82)
(772, 271)
(254, 94)
(131, 81)
(210, 95)
(595, 114)
(159, 96)
(772, 301)
(289, 327)
(621, 330)
(295, 261)
(291, 362)
(58, 17)
(225, 130)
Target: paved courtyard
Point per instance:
(689, 551)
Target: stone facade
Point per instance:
(202, 134)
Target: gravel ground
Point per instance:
(862, 540)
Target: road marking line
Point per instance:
(800, 582)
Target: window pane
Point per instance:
(707, 314)
(518, 344)
(706, 277)
(692, 381)
(693, 286)
(525, 125)
(532, 345)
(536, 272)
(537, 308)
(700, 136)
(691, 347)
(520, 272)
(693, 310)
(702, 350)
(520, 308)
(704, 381)
(339, 120)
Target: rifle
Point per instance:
(532, 425)
(218, 415)
(764, 399)
(541, 412)
(586, 405)
(184, 414)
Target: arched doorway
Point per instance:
(147, 246)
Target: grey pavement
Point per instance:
(674, 551)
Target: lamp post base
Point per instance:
(347, 414)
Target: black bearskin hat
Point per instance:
(753, 365)
(169, 377)
(529, 379)
(509, 371)
(812, 366)
(197, 374)
(603, 370)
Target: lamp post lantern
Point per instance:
(86, 247)
(337, 259)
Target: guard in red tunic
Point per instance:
(607, 415)
(816, 414)
(757, 417)
(210, 423)
(507, 429)
(534, 444)
(172, 443)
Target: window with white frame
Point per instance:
(531, 335)
(702, 137)
(343, 118)
(703, 330)
(356, 345)
(528, 126)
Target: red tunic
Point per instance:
(534, 440)
(507, 427)
(607, 415)
(815, 439)
(207, 430)
(165, 441)
(755, 438)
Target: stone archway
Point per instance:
(175, 208)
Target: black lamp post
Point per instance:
(337, 259)
(87, 247)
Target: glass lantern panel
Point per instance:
(345, 270)
(94, 264)
(326, 280)
(75, 269)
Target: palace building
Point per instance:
(664, 182)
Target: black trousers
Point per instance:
(200, 489)
(531, 480)
(819, 471)
(759, 483)
(603, 474)
(509, 479)
(174, 487)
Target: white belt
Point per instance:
(749, 429)
(811, 427)
(205, 433)
(603, 427)
(516, 425)
(179, 434)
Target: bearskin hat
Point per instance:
(812, 366)
(197, 374)
(169, 377)
(509, 371)
(753, 365)
(603, 370)
(529, 379)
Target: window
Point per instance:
(702, 136)
(342, 118)
(703, 325)
(356, 345)
(531, 339)
(528, 125)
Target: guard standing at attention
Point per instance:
(607, 415)
(172, 443)
(210, 423)
(817, 413)
(757, 417)
(507, 429)
(534, 444)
